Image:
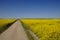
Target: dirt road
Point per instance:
(14, 32)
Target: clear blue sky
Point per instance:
(30, 8)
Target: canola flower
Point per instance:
(45, 29)
(5, 21)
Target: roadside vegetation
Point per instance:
(5, 23)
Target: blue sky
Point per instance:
(30, 8)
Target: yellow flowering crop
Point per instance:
(45, 29)
(5, 21)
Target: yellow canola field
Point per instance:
(5, 21)
(45, 29)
